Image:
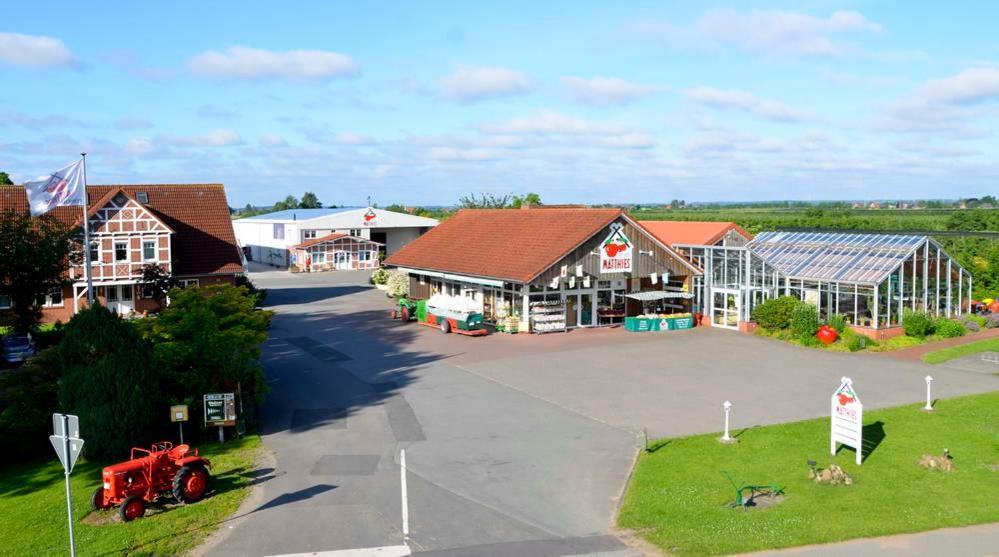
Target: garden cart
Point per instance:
(159, 472)
(463, 322)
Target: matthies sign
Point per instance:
(847, 419)
(616, 251)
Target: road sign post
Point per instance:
(66, 441)
(178, 414)
(220, 410)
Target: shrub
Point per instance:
(379, 276)
(948, 328)
(837, 321)
(856, 341)
(29, 395)
(804, 321)
(109, 380)
(776, 312)
(259, 295)
(916, 324)
(398, 284)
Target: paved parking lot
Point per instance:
(516, 444)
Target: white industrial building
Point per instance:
(268, 238)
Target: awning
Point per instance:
(653, 295)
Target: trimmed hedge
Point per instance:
(775, 313)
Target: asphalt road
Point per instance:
(515, 445)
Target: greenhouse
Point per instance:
(870, 279)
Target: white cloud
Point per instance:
(473, 83)
(132, 123)
(34, 51)
(542, 122)
(351, 138)
(139, 146)
(969, 86)
(628, 141)
(462, 155)
(608, 91)
(777, 32)
(220, 137)
(272, 140)
(240, 62)
(37, 122)
(747, 102)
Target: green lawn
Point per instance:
(33, 509)
(961, 350)
(677, 495)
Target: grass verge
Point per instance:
(677, 495)
(961, 350)
(33, 508)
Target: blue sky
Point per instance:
(423, 102)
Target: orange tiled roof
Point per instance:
(203, 242)
(509, 244)
(699, 233)
(330, 237)
(321, 239)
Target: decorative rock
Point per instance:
(833, 475)
(942, 463)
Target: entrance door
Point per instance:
(571, 310)
(341, 261)
(725, 308)
(120, 298)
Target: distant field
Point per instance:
(770, 218)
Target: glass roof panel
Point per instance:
(850, 257)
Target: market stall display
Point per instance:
(547, 316)
(659, 311)
(659, 322)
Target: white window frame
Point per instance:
(115, 249)
(277, 226)
(186, 283)
(318, 257)
(309, 234)
(154, 248)
(365, 255)
(48, 299)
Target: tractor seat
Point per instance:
(179, 452)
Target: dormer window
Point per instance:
(142, 197)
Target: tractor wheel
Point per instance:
(133, 507)
(404, 313)
(97, 500)
(445, 326)
(393, 314)
(190, 483)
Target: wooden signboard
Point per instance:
(847, 419)
(220, 409)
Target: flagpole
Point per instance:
(86, 237)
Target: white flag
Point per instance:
(62, 187)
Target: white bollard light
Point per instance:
(929, 396)
(727, 406)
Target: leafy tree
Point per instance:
(288, 203)
(310, 201)
(108, 379)
(158, 281)
(484, 201)
(208, 340)
(5, 179)
(529, 199)
(33, 257)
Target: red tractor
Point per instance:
(161, 471)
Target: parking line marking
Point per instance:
(405, 495)
(386, 551)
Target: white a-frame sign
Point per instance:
(847, 419)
